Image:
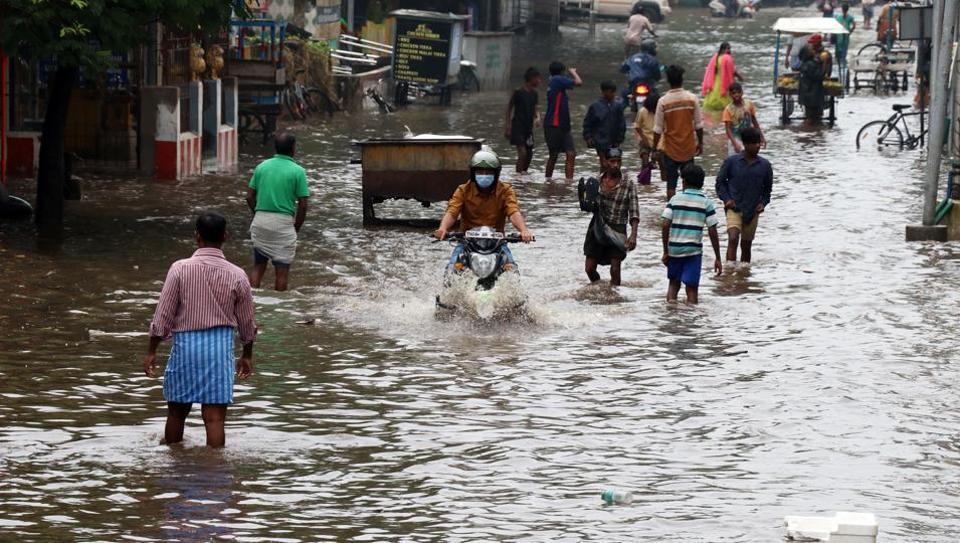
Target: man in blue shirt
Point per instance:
(744, 184)
(556, 122)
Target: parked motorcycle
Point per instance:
(482, 264)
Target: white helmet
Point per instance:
(485, 158)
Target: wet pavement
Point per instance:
(820, 378)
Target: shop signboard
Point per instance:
(426, 46)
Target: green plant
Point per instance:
(318, 47)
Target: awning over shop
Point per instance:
(809, 25)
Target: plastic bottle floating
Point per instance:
(616, 497)
(843, 527)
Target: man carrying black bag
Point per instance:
(613, 201)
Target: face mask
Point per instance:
(484, 181)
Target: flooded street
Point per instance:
(823, 377)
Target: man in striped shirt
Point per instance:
(203, 301)
(683, 220)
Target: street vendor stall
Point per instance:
(254, 57)
(787, 85)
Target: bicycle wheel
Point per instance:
(309, 107)
(293, 107)
(914, 141)
(299, 101)
(875, 49)
(786, 108)
(880, 136)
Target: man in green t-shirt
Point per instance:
(278, 197)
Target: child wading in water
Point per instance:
(738, 116)
(643, 125)
(522, 115)
(683, 220)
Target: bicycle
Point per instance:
(887, 134)
(293, 97)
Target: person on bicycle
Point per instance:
(483, 200)
(637, 27)
(643, 67)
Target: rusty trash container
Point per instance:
(425, 168)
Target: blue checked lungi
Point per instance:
(201, 368)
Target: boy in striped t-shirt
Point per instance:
(683, 220)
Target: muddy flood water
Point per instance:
(821, 378)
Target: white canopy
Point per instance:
(809, 25)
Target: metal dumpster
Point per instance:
(426, 168)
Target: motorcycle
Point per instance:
(484, 258)
(639, 91)
(643, 71)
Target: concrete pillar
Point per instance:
(154, 70)
(147, 129)
(212, 110)
(166, 132)
(227, 149)
(492, 52)
(195, 115)
(954, 111)
(938, 110)
(177, 151)
(4, 123)
(934, 34)
(231, 110)
(23, 153)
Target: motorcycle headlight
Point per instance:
(483, 265)
(486, 244)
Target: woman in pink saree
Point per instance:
(720, 73)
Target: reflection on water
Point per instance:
(197, 496)
(736, 280)
(821, 377)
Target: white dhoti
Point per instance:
(274, 236)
